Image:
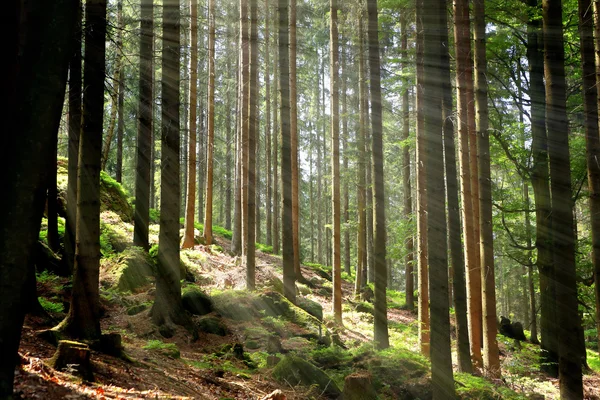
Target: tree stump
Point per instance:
(73, 357)
(358, 386)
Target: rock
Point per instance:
(197, 302)
(297, 371)
(128, 272)
(109, 343)
(274, 283)
(365, 307)
(312, 307)
(212, 325)
(134, 310)
(74, 358)
(367, 294)
(274, 345)
(512, 330)
(273, 304)
(252, 344)
(359, 386)
(275, 395)
(113, 197)
(231, 304)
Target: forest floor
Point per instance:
(183, 368)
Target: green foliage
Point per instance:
(593, 360)
(112, 183)
(168, 349)
(477, 388)
(48, 278)
(154, 216)
(396, 299)
(51, 306)
(264, 248)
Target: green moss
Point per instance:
(114, 198)
(235, 304)
(168, 349)
(474, 387)
(128, 271)
(593, 360)
(51, 306)
(296, 371)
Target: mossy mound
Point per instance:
(212, 325)
(115, 236)
(312, 307)
(128, 271)
(197, 302)
(235, 304)
(296, 371)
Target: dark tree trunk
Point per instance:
(569, 361)
(36, 81)
(289, 276)
(379, 232)
(167, 308)
(144, 134)
(252, 140)
(52, 198)
(121, 96)
(83, 319)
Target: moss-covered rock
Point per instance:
(197, 302)
(134, 310)
(312, 307)
(113, 197)
(235, 304)
(297, 371)
(115, 236)
(129, 271)
(359, 386)
(212, 325)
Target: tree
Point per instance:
(210, 141)
(433, 84)
(491, 356)
(121, 95)
(409, 267)
(379, 235)
(144, 134)
(569, 362)
(423, 301)
(289, 277)
(252, 136)
(592, 139)
(37, 55)
(335, 161)
(268, 144)
(190, 204)
(83, 319)
(168, 308)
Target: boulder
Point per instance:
(297, 371)
(359, 386)
(312, 307)
(197, 302)
(512, 330)
(212, 325)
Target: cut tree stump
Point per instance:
(74, 358)
(358, 386)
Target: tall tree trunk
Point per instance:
(52, 198)
(289, 276)
(168, 308)
(229, 139)
(423, 276)
(335, 160)
(210, 137)
(245, 122)
(74, 132)
(252, 140)
(345, 154)
(237, 237)
(592, 139)
(121, 96)
(203, 128)
(491, 356)
(533, 338)
(569, 362)
(319, 164)
(433, 86)
(144, 134)
(268, 151)
(294, 142)
(83, 319)
(541, 189)
(407, 209)
(35, 82)
(274, 157)
(190, 205)
(457, 261)
(379, 232)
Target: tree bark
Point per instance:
(268, 150)
(121, 96)
(35, 82)
(144, 135)
(210, 137)
(379, 232)
(252, 140)
(289, 276)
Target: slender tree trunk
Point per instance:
(294, 142)
(346, 157)
(168, 308)
(83, 319)
(423, 276)
(319, 171)
(276, 181)
(52, 198)
(210, 137)
(289, 277)
(530, 283)
(229, 139)
(268, 151)
(74, 132)
(252, 140)
(245, 122)
(433, 86)
(379, 232)
(335, 160)
(491, 360)
(190, 205)
(144, 134)
(592, 139)
(457, 261)
(202, 135)
(236, 240)
(35, 82)
(121, 98)
(407, 209)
